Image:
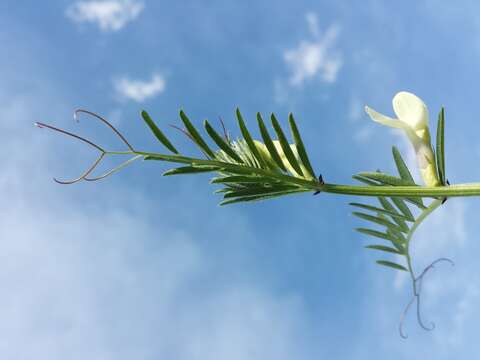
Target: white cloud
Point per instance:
(314, 57)
(139, 90)
(109, 15)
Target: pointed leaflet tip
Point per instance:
(285, 146)
(391, 265)
(302, 153)
(196, 136)
(440, 147)
(401, 166)
(158, 133)
(250, 143)
(383, 248)
(269, 143)
(221, 143)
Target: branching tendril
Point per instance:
(85, 175)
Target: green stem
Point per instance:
(470, 189)
(459, 190)
(435, 204)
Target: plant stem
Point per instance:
(459, 190)
(434, 205)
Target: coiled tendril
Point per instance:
(417, 296)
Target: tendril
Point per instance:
(225, 132)
(187, 134)
(118, 133)
(102, 151)
(114, 170)
(183, 131)
(418, 282)
(403, 316)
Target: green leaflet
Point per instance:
(302, 153)
(253, 191)
(190, 170)
(260, 197)
(402, 167)
(379, 179)
(365, 180)
(222, 190)
(391, 265)
(440, 148)
(384, 248)
(385, 179)
(172, 158)
(239, 179)
(221, 143)
(405, 175)
(269, 143)
(248, 139)
(398, 240)
(380, 210)
(400, 204)
(286, 146)
(387, 206)
(418, 202)
(378, 220)
(374, 233)
(158, 133)
(397, 236)
(196, 135)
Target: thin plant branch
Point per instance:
(403, 316)
(103, 152)
(76, 118)
(43, 125)
(84, 175)
(225, 132)
(114, 170)
(183, 131)
(418, 283)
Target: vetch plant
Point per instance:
(249, 169)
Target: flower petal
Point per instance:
(385, 120)
(411, 110)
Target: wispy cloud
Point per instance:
(363, 134)
(314, 57)
(109, 15)
(139, 90)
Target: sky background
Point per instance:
(143, 267)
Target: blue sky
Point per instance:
(145, 267)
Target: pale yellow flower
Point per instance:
(412, 117)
